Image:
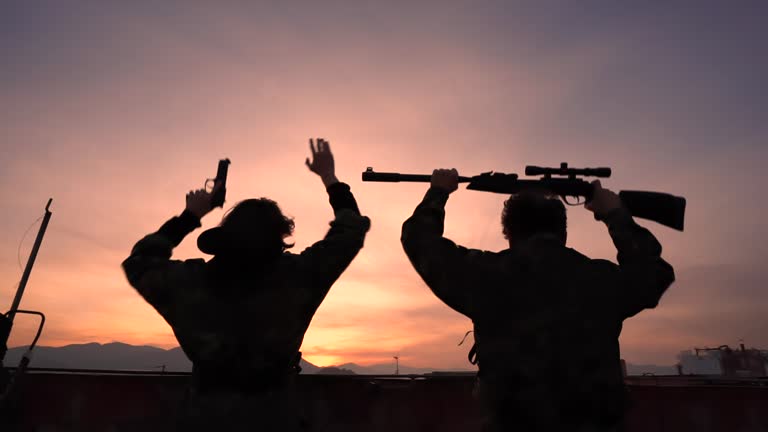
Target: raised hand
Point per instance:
(322, 162)
(199, 202)
(446, 179)
(603, 201)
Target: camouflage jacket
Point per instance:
(546, 318)
(247, 319)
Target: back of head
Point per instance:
(529, 213)
(260, 223)
(252, 228)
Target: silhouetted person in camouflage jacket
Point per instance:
(546, 318)
(241, 316)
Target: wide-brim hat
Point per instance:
(215, 241)
(251, 227)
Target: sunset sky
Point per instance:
(117, 109)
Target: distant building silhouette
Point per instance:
(724, 361)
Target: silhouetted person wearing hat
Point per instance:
(546, 318)
(241, 316)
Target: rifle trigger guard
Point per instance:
(565, 199)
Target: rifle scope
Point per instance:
(532, 170)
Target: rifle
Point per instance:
(666, 209)
(217, 200)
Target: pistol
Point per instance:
(221, 179)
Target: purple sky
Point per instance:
(116, 109)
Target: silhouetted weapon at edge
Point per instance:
(666, 209)
(9, 385)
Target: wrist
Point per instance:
(193, 213)
(616, 216)
(437, 196)
(443, 188)
(329, 179)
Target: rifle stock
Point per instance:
(666, 209)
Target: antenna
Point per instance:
(30, 262)
(8, 386)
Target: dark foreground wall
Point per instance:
(54, 401)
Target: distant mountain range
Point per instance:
(120, 356)
(116, 356)
(113, 356)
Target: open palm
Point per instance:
(322, 159)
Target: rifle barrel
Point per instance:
(397, 177)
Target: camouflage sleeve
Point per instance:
(643, 275)
(446, 268)
(150, 269)
(326, 260)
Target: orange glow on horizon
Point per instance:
(119, 125)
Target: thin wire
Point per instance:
(18, 253)
(465, 337)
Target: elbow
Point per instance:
(126, 265)
(131, 273)
(410, 246)
(405, 233)
(411, 230)
(665, 279)
(652, 302)
(667, 275)
(134, 269)
(409, 241)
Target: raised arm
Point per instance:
(150, 269)
(445, 267)
(643, 276)
(327, 259)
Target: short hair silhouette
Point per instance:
(529, 213)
